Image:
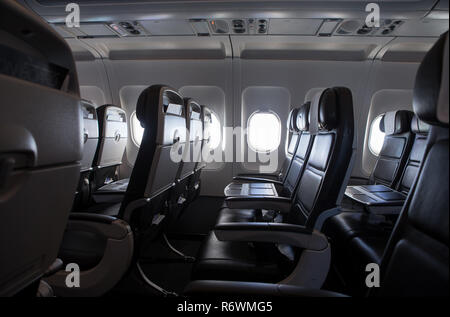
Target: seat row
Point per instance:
(414, 261)
(50, 136)
(164, 180)
(105, 135)
(361, 233)
(269, 230)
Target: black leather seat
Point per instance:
(291, 148)
(396, 145)
(303, 145)
(260, 186)
(363, 236)
(195, 182)
(154, 172)
(420, 130)
(113, 135)
(40, 148)
(389, 165)
(416, 260)
(90, 140)
(191, 155)
(105, 246)
(331, 123)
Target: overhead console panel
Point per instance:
(256, 27)
(140, 18)
(122, 10)
(394, 27)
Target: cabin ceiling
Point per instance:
(215, 29)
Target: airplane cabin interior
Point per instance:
(194, 149)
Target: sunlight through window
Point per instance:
(376, 136)
(137, 131)
(264, 131)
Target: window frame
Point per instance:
(279, 132)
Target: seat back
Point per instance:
(90, 140)
(194, 137)
(207, 125)
(90, 135)
(303, 148)
(161, 111)
(205, 121)
(415, 262)
(331, 124)
(40, 145)
(420, 130)
(113, 135)
(396, 146)
(291, 144)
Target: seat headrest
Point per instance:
(148, 102)
(430, 96)
(156, 100)
(88, 109)
(323, 113)
(292, 120)
(106, 110)
(396, 122)
(302, 121)
(418, 126)
(193, 109)
(207, 122)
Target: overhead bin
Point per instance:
(307, 48)
(407, 50)
(162, 48)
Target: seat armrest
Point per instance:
(280, 204)
(106, 226)
(274, 176)
(256, 180)
(262, 226)
(234, 288)
(55, 267)
(91, 217)
(117, 253)
(354, 181)
(290, 234)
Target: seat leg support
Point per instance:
(187, 258)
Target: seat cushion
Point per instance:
(237, 215)
(238, 261)
(357, 239)
(369, 249)
(247, 215)
(83, 248)
(107, 209)
(361, 251)
(344, 226)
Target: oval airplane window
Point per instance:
(376, 136)
(264, 131)
(137, 131)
